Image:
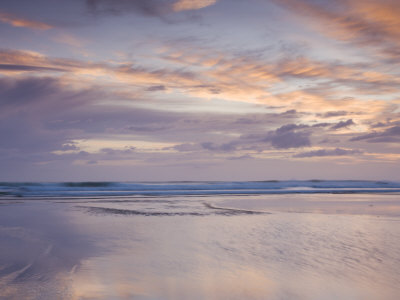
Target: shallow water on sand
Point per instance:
(211, 247)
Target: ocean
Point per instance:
(194, 188)
(200, 240)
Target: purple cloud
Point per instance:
(186, 147)
(289, 136)
(14, 67)
(110, 151)
(343, 124)
(227, 147)
(331, 114)
(156, 88)
(118, 7)
(328, 152)
(390, 135)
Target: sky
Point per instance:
(154, 90)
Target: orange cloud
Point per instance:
(17, 21)
(182, 5)
(364, 22)
(232, 78)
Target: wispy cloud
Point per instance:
(343, 124)
(238, 78)
(117, 7)
(12, 67)
(155, 8)
(328, 152)
(331, 114)
(18, 21)
(364, 22)
(181, 5)
(389, 135)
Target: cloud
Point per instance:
(255, 140)
(389, 135)
(44, 120)
(28, 107)
(70, 40)
(321, 125)
(157, 8)
(186, 147)
(11, 67)
(40, 115)
(241, 157)
(243, 79)
(358, 77)
(343, 124)
(226, 147)
(289, 136)
(181, 5)
(371, 23)
(378, 125)
(30, 61)
(233, 77)
(156, 88)
(17, 21)
(328, 152)
(148, 128)
(117, 7)
(70, 146)
(254, 78)
(290, 140)
(27, 91)
(119, 152)
(330, 114)
(154, 79)
(47, 122)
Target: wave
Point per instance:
(87, 184)
(91, 189)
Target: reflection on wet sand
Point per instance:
(207, 284)
(183, 249)
(38, 250)
(353, 204)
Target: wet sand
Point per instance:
(215, 247)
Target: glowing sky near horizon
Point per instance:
(199, 89)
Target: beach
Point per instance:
(204, 246)
(200, 150)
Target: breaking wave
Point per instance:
(82, 189)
